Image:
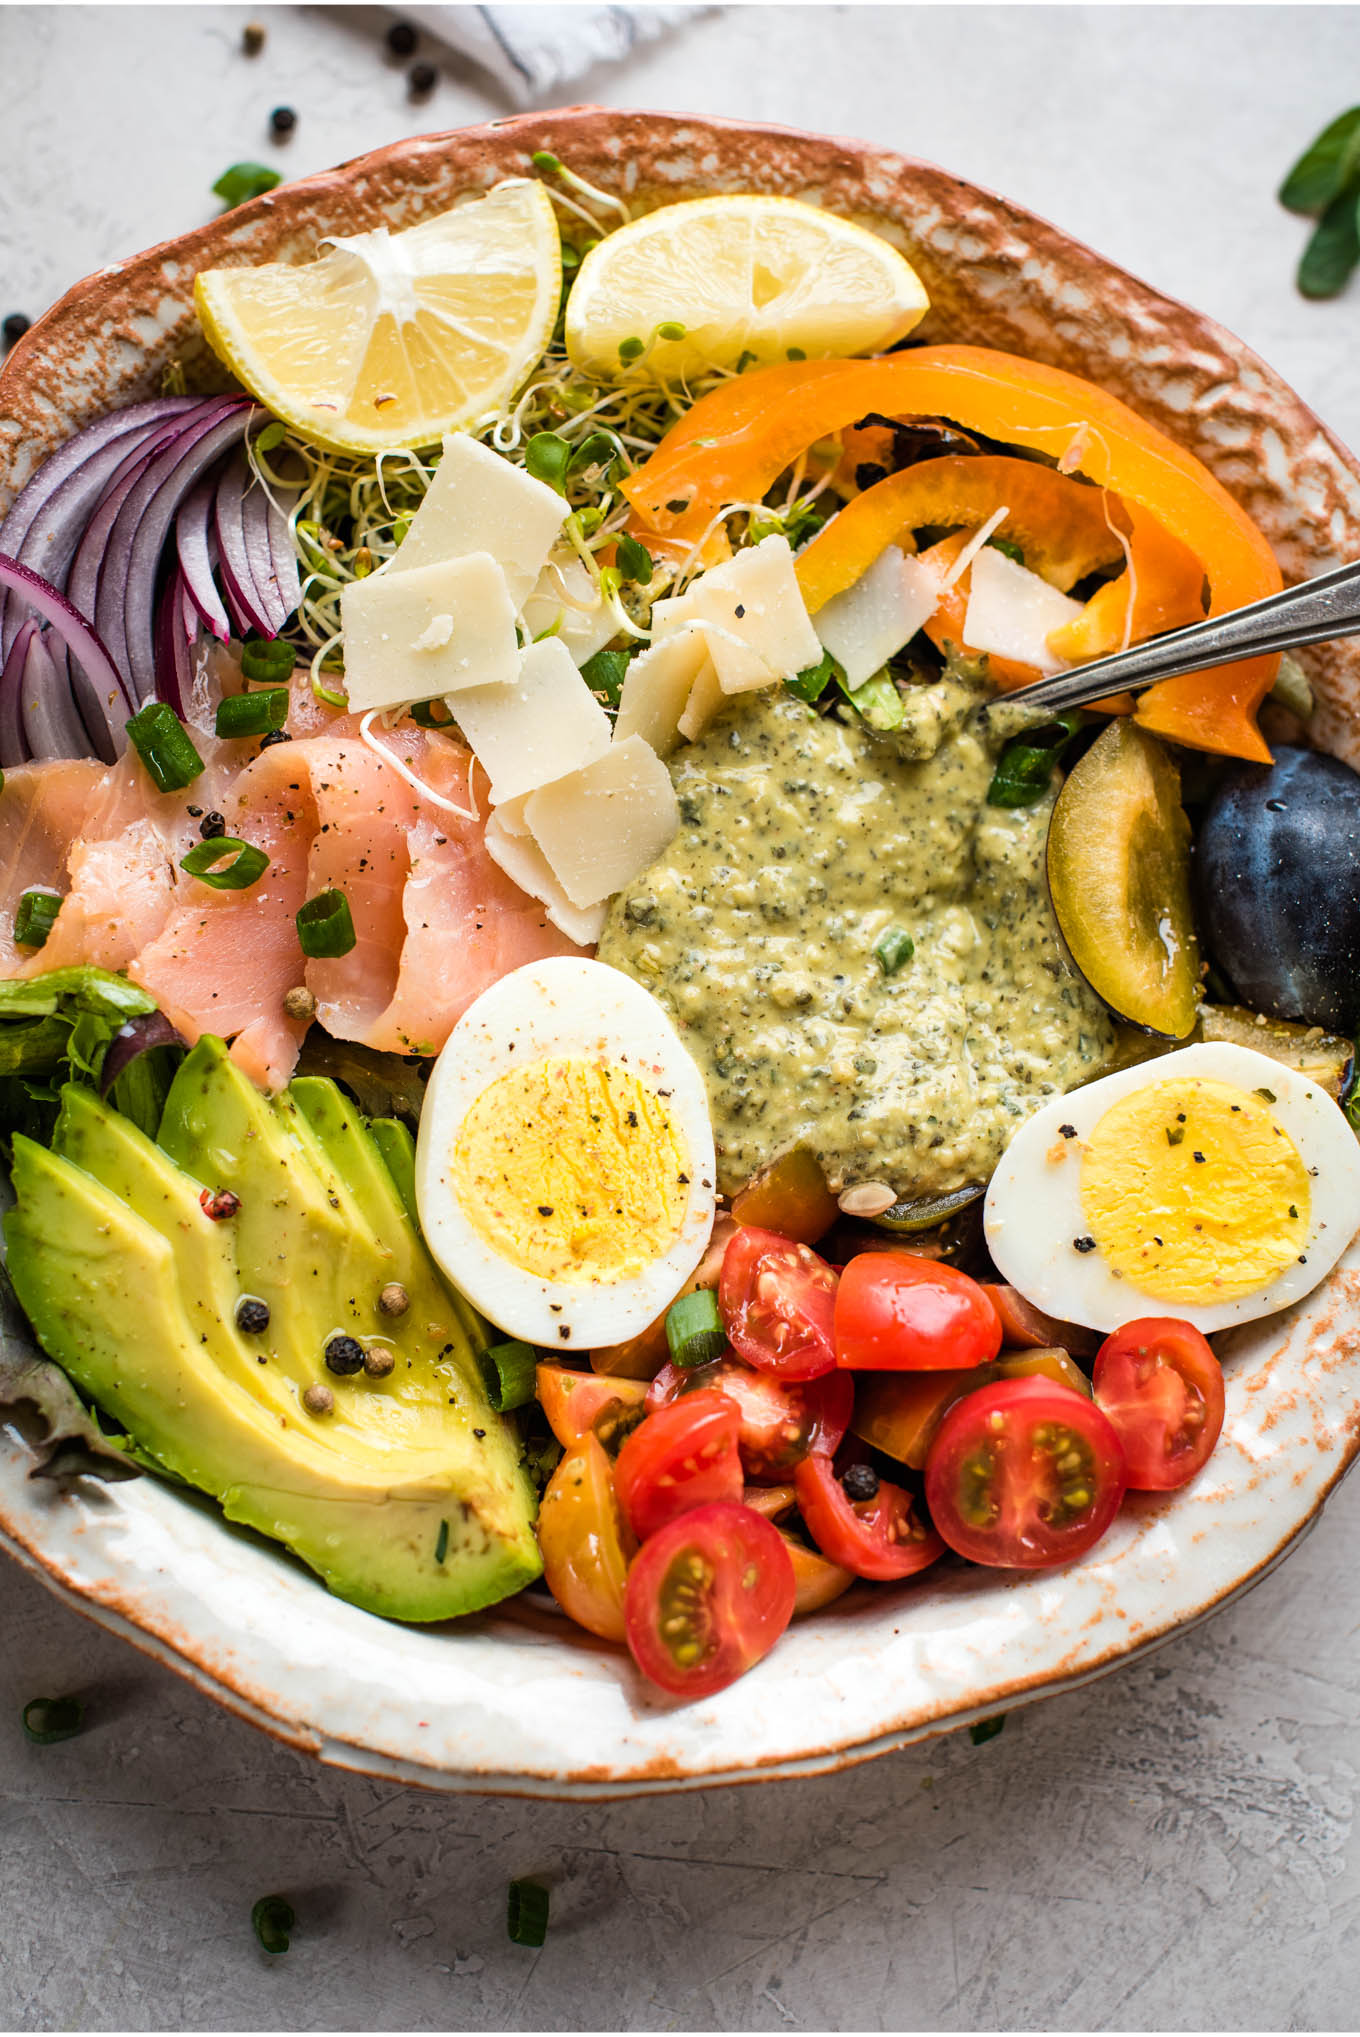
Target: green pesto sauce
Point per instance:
(803, 838)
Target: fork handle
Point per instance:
(1312, 613)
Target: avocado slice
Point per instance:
(408, 1497)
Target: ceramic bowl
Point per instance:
(518, 1700)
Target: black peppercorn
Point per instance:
(860, 1482)
(282, 121)
(212, 825)
(421, 79)
(344, 1355)
(252, 1316)
(15, 326)
(402, 39)
(274, 736)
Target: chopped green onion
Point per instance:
(671, 330)
(243, 181)
(878, 701)
(811, 683)
(246, 867)
(634, 561)
(527, 1913)
(267, 660)
(892, 948)
(253, 714)
(509, 1371)
(47, 1720)
(1024, 770)
(36, 917)
(441, 1542)
(631, 349)
(983, 1730)
(547, 455)
(694, 1329)
(271, 1920)
(162, 742)
(325, 926)
(605, 673)
(272, 435)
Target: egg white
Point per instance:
(588, 1011)
(1033, 1209)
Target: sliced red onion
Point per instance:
(174, 656)
(257, 518)
(13, 742)
(191, 619)
(138, 1036)
(125, 605)
(82, 582)
(193, 543)
(247, 604)
(284, 552)
(44, 523)
(80, 640)
(52, 726)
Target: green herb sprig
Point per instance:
(1324, 185)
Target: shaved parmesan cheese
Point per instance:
(657, 686)
(525, 864)
(567, 601)
(602, 826)
(872, 620)
(479, 502)
(545, 723)
(1011, 612)
(738, 668)
(397, 645)
(755, 599)
(706, 697)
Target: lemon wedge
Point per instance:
(699, 285)
(392, 339)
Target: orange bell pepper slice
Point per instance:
(733, 445)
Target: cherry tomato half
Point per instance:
(571, 1400)
(707, 1597)
(683, 1456)
(1027, 1328)
(878, 1537)
(778, 1302)
(897, 1313)
(584, 1540)
(1024, 1475)
(1161, 1386)
(781, 1421)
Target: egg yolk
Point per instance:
(1193, 1192)
(572, 1170)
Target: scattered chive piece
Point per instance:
(983, 1730)
(272, 435)
(163, 743)
(508, 1370)
(694, 1329)
(36, 917)
(267, 660)
(47, 1720)
(527, 1913)
(811, 683)
(604, 674)
(671, 330)
(441, 1542)
(271, 1920)
(325, 926)
(246, 867)
(547, 456)
(631, 349)
(243, 181)
(634, 561)
(1268, 1094)
(1174, 1134)
(892, 948)
(252, 714)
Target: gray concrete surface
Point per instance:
(1170, 1848)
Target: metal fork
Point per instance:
(1312, 613)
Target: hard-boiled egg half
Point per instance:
(564, 1170)
(1213, 1184)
